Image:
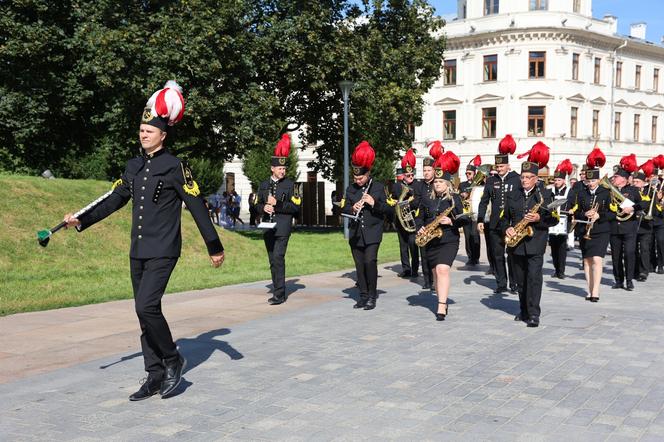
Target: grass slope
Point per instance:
(93, 266)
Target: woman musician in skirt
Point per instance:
(441, 251)
(592, 209)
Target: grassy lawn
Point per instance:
(93, 266)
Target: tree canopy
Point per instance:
(75, 75)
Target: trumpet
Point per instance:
(589, 226)
(656, 186)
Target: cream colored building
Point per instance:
(545, 70)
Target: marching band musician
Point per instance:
(442, 251)
(278, 203)
(624, 226)
(158, 183)
(657, 255)
(424, 191)
(528, 254)
(364, 201)
(409, 252)
(471, 235)
(558, 233)
(495, 191)
(592, 210)
(644, 232)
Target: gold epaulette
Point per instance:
(296, 200)
(391, 201)
(342, 203)
(190, 186)
(117, 183)
(613, 207)
(645, 198)
(555, 214)
(573, 209)
(659, 207)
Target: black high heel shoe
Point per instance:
(441, 316)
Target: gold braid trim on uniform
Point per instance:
(117, 183)
(190, 186)
(502, 212)
(342, 203)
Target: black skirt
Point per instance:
(442, 253)
(595, 246)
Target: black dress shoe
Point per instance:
(404, 274)
(499, 290)
(361, 303)
(561, 276)
(370, 304)
(660, 270)
(172, 376)
(414, 275)
(594, 299)
(555, 275)
(276, 301)
(519, 318)
(533, 322)
(629, 286)
(426, 285)
(514, 289)
(642, 277)
(150, 386)
(617, 285)
(489, 272)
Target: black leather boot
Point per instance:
(150, 386)
(172, 376)
(371, 303)
(362, 302)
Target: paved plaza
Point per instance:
(315, 369)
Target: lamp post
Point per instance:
(346, 87)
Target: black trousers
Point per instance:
(489, 251)
(149, 278)
(623, 253)
(472, 239)
(366, 267)
(643, 243)
(657, 247)
(528, 275)
(252, 216)
(410, 258)
(558, 245)
(497, 243)
(427, 272)
(276, 252)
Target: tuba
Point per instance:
(617, 198)
(405, 214)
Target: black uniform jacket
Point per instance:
(287, 205)
(495, 192)
(657, 213)
(430, 208)
(585, 200)
(368, 229)
(632, 224)
(156, 184)
(518, 205)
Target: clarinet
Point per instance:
(356, 216)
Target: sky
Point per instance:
(627, 11)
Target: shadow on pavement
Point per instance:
(488, 282)
(502, 302)
(354, 294)
(427, 299)
(196, 350)
(565, 288)
(292, 286)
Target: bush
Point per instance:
(209, 174)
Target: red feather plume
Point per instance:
(565, 166)
(539, 154)
(648, 168)
(659, 161)
(507, 145)
(449, 162)
(408, 159)
(477, 161)
(595, 158)
(363, 155)
(282, 149)
(436, 149)
(628, 163)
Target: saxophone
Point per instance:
(433, 229)
(523, 228)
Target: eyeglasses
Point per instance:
(408, 175)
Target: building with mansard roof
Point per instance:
(545, 70)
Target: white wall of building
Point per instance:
(512, 35)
